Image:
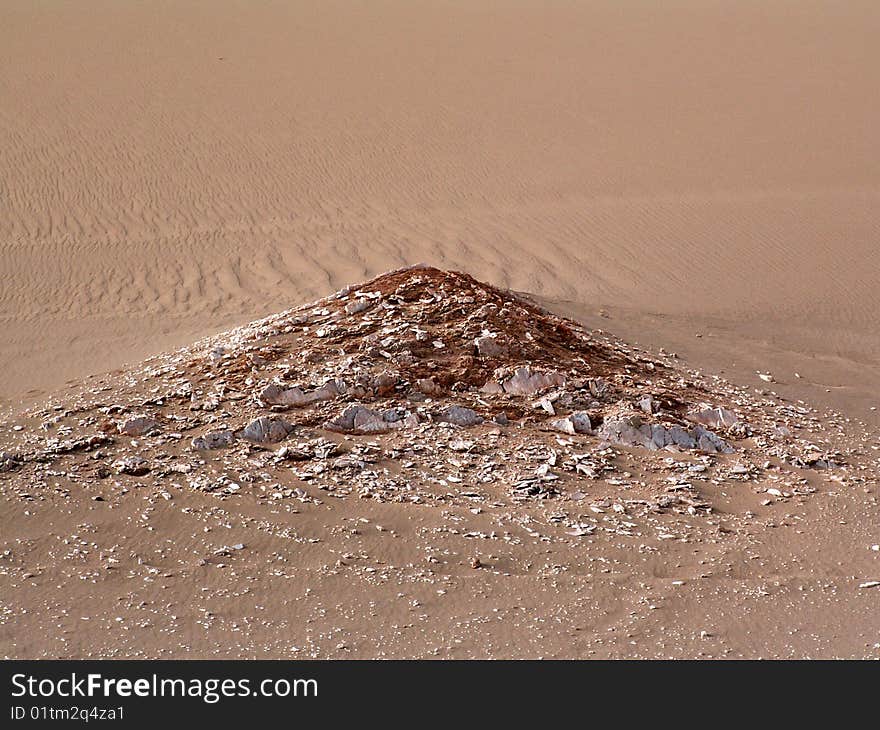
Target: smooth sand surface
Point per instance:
(168, 169)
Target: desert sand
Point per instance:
(699, 177)
(168, 170)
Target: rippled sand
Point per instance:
(170, 169)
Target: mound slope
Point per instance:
(486, 431)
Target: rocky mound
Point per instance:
(422, 465)
(448, 374)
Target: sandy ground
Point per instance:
(702, 177)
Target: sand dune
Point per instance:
(170, 169)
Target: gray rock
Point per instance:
(266, 430)
(578, 422)
(139, 426)
(360, 419)
(525, 382)
(680, 437)
(133, 465)
(489, 345)
(8, 461)
(355, 416)
(660, 437)
(277, 396)
(460, 416)
(631, 431)
(599, 388)
(213, 440)
(708, 441)
(366, 420)
(393, 415)
(581, 421)
(562, 424)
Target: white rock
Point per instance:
(714, 418)
(138, 426)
